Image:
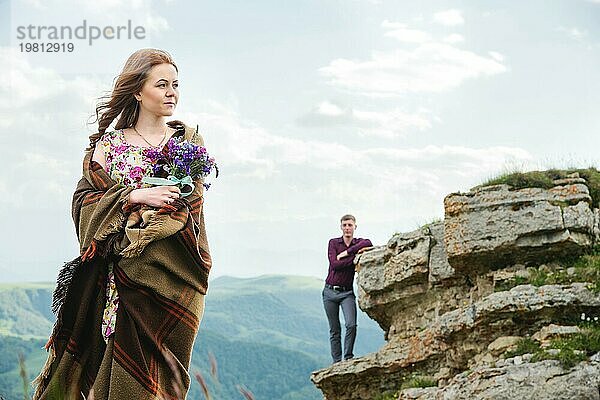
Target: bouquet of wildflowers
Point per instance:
(180, 162)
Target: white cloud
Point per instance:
(87, 7)
(25, 83)
(28, 84)
(388, 124)
(244, 142)
(44, 113)
(315, 179)
(329, 109)
(42, 161)
(431, 67)
(496, 56)
(24, 12)
(156, 23)
(454, 38)
(374, 2)
(573, 33)
(416, 179)
(36, 4)
(251, 150)
(420, 65)
(449, 17)
(7, 197)
(239, 142)
(38, 172)
(386, 24)
(456, 156)
(404, 34)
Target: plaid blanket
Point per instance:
(161, 263)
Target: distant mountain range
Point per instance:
(267, 334)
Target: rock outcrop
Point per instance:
(454, 296)
(518, 380)
(494, 226)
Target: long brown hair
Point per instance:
(121, 102)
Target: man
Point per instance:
(338, 289)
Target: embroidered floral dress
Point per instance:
(126, 164)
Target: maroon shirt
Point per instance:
(341, 272)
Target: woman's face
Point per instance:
(160, 92)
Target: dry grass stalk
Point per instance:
(23, 373)
(247, 394)
(203, 385)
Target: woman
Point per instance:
(130, 306)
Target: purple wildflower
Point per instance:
(181, 158)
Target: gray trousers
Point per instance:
(332, 300)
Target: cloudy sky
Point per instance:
(312, 108)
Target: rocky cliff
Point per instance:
(497, 301)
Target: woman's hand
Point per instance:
(157, 196)
(342, 255)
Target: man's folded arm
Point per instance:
(336, 264)
(352, 250)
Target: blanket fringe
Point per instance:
(63, 282)
(39, 383)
